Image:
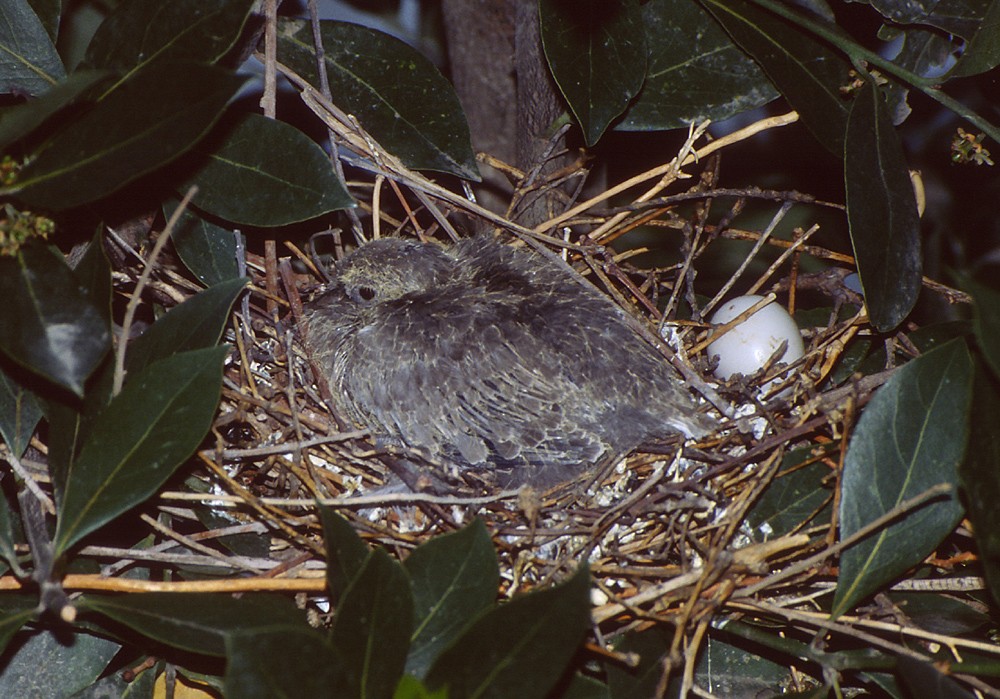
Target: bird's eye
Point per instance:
(366, 293)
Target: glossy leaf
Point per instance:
(982, 52)
(29, 63)
(371, 631)
(345, 552)
(15, 612)
(48, 322)
(881, 211)
(805, 70)
(195, 622)
(266, 173)
(959, 17)
(207, 250)
(454, 578)
(397, 95)
(986, 321)
(192, 325)
(48, 13)
(910, 437)
(18, 121)
(80, 658)
(796, 494)
(139, 32)
(20, 413)
(980, 474)
(519, 649)
(596, 51)
(687, 47)
(135, 444)
(283, 662)
(142, 125)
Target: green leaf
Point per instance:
(795, 495)
(345, 552)
(520, 649)
(7, 551)
(29, 63)
(74, 661)
(282, 662)
(206, 249)
(139, 32)
(583, 687)
(986, 321)
(982, 52)
(910, 437)
(195, 622)
(806, 71)
(48, 322)
(980, 474)
(410, 687)
(18, 121)
(144, 124)
(687, 47)
(266, 173)
(925, 680)
(597, 53)
(395, 92)
(371, 631)
(148, 430)
(454, 578)
(20, 413)
(192, 325)
(15, 612)
(960, 17)
(881, 211)
(48, 13)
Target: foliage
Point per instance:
(151, 125)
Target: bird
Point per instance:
(491, 359)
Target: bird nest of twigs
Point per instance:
(676, 536)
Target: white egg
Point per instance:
(748, 346)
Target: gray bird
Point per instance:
(488, 357)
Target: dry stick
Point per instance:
(789, 251)
(255, 584)
(366, 501)
(764, 236)
(659, 171)
(15, 463)
(268, 100)
(147, 272)
(195, 546)
(870, 528)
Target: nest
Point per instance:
(666, 535)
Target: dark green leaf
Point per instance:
(49, 323)
(910, 437)
(881, 211)
(961, 17)
(687, 47)
(394, 91)
(924, 680)
(7, 517)
(597, 53)
(20, 120)
(206, 249)
(195, 622)
(410, 687)
(582, 687)
(66, 433)
(29, 63)
(48, 13)
(454, 579)
(982, 52)
(115, 686)
(345, 552)
(148, 430)
(194, 324)
(371, 631)
(94, 272)
(986, 321)
(266, 173)
(144, 124)
(72, 662)
(640, 682)
(980, 474)
(139, 32)
(519, 649)
(283, 662)
(806, 71)
(20, 413)
(797, 494)
(15, 612)
(940, 614)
